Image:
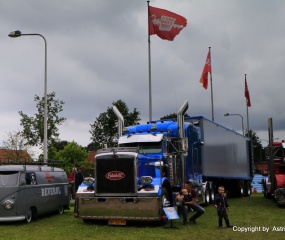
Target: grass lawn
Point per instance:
(258, 216)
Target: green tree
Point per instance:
(33, 127)
(72, 155)
(258, 151)
(56, 147)
(104, 129)
(171, 116)
(92, 147)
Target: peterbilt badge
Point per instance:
(115, 175)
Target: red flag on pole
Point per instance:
(207, 69)
(165, 24)
(246, 94)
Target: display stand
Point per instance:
(171, 214)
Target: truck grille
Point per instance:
(115, 175)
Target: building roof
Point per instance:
(91, 156)
(7, 155)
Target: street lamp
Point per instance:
(19, 34)
(235, 114)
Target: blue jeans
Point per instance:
(195, 207)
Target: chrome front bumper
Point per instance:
(12, 219)
(127, 208)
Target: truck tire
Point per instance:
(212, 192)
(207, 194)
(164, 203)
(264, 187)
(266, 194)
(247, 188)
(164, 198)
(239, 189)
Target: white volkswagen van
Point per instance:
(27, 191)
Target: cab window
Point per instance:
(8, 178)
(145, 147)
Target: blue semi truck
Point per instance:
(141, 176)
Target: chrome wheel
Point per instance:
(29, 215)
(60, 210)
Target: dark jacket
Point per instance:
(221, 201)
(78, 179)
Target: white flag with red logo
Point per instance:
(165, 24)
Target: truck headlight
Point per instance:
(8, 204)
(146, 179)
(89, 181)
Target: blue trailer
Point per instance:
(141, 176)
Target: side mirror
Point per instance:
(166, 147)
(184, 146)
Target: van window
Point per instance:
(31, 178)
(8, 178)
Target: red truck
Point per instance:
(274, 185)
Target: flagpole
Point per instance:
(149, 68)
(212, 103)
(247, 112)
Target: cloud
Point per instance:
(98, 53)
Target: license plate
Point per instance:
(117, 222)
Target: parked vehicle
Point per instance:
(224, 157)
(141, 176)
(274, 184)
(28, 191)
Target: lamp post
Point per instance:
(19, 34)
(235, 114)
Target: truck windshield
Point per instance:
(8, 178)
(145, 147)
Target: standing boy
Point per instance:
(221, 204)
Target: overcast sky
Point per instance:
(97, 53)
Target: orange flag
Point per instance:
(246, 94)
(165, 24)
(207, 69)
